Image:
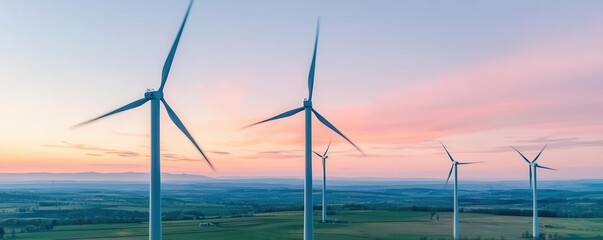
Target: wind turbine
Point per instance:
(156, 97)
(324, 157)
(533, 166)
(455, 224)
(307, 107)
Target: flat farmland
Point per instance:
(350, 225)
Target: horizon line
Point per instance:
(301, 177)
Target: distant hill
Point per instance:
(260, 182)
(99, 177)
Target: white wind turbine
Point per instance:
(307, 107)
(455, 224)
(533, 166)
(324, 157)
(156, 97)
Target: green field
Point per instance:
(354, 225)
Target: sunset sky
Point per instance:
(395, 76)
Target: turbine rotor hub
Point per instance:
(307, 103)
(153, 95)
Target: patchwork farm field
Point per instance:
(351, 225)
(271, 209)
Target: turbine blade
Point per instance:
(450, 156)
(524, 157)
(530, 177)
(168, 62)
(537, 156)
(329, 125)
(182, 128)
(546, 167)
(449, 173)
(282, 115)
(317, 154)
(328, 146)
(313, 65)
(128, 106)
(466, 163)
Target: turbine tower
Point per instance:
(455, 224)
(324, 157)
(309, 109)
(156, 97)
(533, 166)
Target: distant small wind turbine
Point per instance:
(156, 97)
(455, 225)
(324, 157)
(533, 166)
(307, 107)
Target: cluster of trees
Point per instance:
(75, 217)
(564, 213)
(4, 234)
(526, 235)
(561, 212)
(181, 215)
(509, 211)
(99, 215)
(464, 238)
(26, 225)
(552, 205)
(542, 236)
(50, 204)
(279, 207)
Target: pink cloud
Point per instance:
(552, 85)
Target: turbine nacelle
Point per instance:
(153, 95)
(532, 164)
(455, 163)
(307, 103)
(324, 156)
